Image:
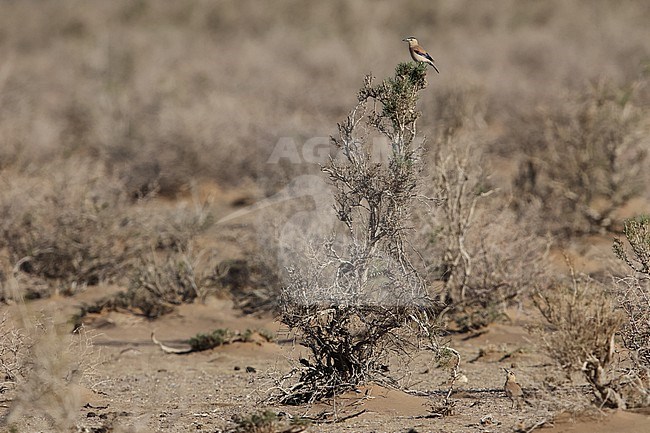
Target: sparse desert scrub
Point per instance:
(355, 296)
(585, 159)
(156, 94)
(581, 322)
(76, 226)
(155, 90)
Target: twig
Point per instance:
(168, 349)
(338, 420)
(537, 425)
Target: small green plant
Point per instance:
(268, 422)
(223, 336)
(637, 234)
(261, 422)
(266, 334)
(218, 337)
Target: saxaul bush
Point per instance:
(356, 297)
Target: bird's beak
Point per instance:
(405, 40)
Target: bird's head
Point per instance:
(411, 40)
(509, 374)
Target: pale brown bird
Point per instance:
(418, 53)
(513, 389)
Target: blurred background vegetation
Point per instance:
(104, 105)
(164, 92)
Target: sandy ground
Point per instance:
(140, 388)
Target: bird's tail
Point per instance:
(434, 67)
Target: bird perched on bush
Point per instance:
(513, 389)
(418, 53)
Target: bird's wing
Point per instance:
(420, 51)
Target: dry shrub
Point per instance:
(581, 321)
(353, 295)
(506, 259)
(585, 159)
(474, 245)
(634, 298)
(70, 228)
(173, 229)
(182, 278)
(637, 234)
(158, 284)
(49, 397)
(635, 301)
(15, 348)
(457, 175)
(254, 283)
